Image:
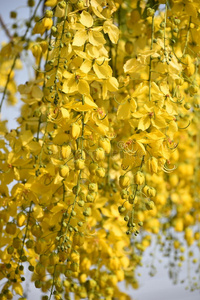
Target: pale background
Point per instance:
(159, 287)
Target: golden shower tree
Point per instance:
(106, 152)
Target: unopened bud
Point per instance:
(63, 171)
(105, 144)
(79, 164)
(124, 181)
(75, 130)
(100, 172)
(99, 154)
(139, 178)
(65, 151)
(152, 165)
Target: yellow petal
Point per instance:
(144, 123)
(86, 19)
(112, 31)
(86, 66)
(88, 104)
(112, 84)
(80, 38)
(125, 110)
(38, 212)
(96, 38)
(51, 3)
(70, 85)
(36, 92)
(18, 288)
(83, 87)
(102, 71)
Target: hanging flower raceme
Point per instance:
(106, 153)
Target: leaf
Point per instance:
(86, 19)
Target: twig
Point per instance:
(5, 28)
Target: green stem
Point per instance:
(187, 37)
(150, 63)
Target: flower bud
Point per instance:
(177, 21)
(21, 218)
(132, 198)
(187, 106)
(62, 4)
(75, 130)
(129, 47)
(13, 14)
(65, 151)
(10, 250)
(17, 243)
(150, 12)
(90, 197)
(105, 144)
(99, 154)
(124, 194)
(31, 3)
(139, 178)
(60, 10)
(80, 154)
(81, 203)
(152, 164)
(150, 205)
(100, 172)
(11, 228)
(80, 4)
(92, 187)
(124, 181)
(64, 171)
(93, 167)
(121, 209)
(47, 23)
(149, 191)
(193, 89)
(115, 166)
(48, 13)
(76, 189)
(79, 164)
(30, 244)
(36, 230)
(36, 50)
(87, 212)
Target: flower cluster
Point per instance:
(106, 153)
